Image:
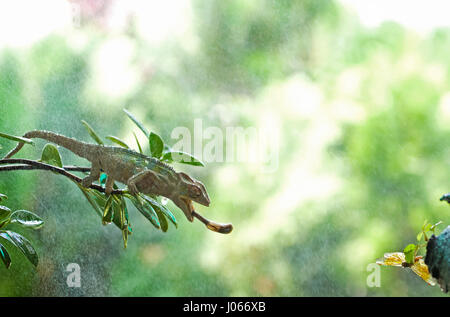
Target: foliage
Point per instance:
(409, 257)
(362, 115)
(25, 219)
(113, 208)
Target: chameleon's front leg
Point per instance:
(93, 175)
(148, 174)
(109, 186)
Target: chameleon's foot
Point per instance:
(109, 187)
(132, 189)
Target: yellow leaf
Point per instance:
(420, 268)
(392, 259)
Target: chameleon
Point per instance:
(141, 174)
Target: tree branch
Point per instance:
(24, 164)
(31, 167)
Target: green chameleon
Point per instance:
(139, 172)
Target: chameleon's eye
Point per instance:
(194, 191)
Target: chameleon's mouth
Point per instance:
(189, 205)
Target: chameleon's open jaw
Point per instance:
(189, 205)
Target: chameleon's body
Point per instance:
(139, 172)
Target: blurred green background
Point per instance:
(360, 115)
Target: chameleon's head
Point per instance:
(189, 190)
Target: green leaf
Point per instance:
(92, 132)
(162, 220)
(5, 256)
(125, 209)
(118, 214)
(22, 244)
(157, 206)
(136, 121)
(117, 141)
(107, 212)
(156, 145)
(409, 252)
(419, 236)
(146, 210)
(182, 157)
(3, 197)
(137, 142)
(124, 222)
(433, 227)
(125, 237)
(100, 199)
(50, 155)
(151, 215)
(5, 212)
(427, 227)
(16, 138)
(89, 196)
(27, 219)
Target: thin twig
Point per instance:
(31, 167)
(77, 168)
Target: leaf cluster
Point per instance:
(113, 208)
(23, 218)
(411, 250)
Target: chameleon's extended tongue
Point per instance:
(214, 226)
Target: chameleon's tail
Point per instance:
(81, 149)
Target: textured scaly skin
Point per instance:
(139, 172)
